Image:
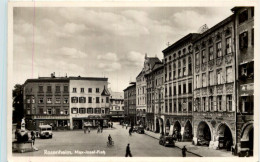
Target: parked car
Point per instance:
(202, 141)
(135, 128)
(45, 131)
(167, 141)
(140, 130)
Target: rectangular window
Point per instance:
(203, 56)
(179, 72)
(74, 90)
(219, 49)
(184, 71)
(82, 90)
(40, 88)
(229, 102)
(211, 54)
(57, 89)
(170, 90)
(82, 110)
(57, 100)
(184, 88)
(89, 99)
(229, 74)
(41, 111)
(219, 103)
(179, 89)
(74, 110)
(82, 99)
(48, 88)
(190, 106)
(66, 112)
(228, 45)
(49, 100)
(174, 106)
(190, 87)
(180, 107)
(66, 88)
(197, 81)
(41, 100)
(97, 100)
(166, 107)
(211, 106)
(107, 99)
(90, 90)
(74, 99)
(97, 90)
(203, 104)
(211, 78)
(49, 112)
(197, 59)
(248, 104)
(170, 109)
(170, 75)
(57, 111)
(33, 99)
(90, 111)
(66, 100)
(243, 16)
(174, 90)
(243, 40)
(204, 84)
(219, 76)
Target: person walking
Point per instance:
(33, 137)
(128, 151)
(88, 130)
(130, 132)
(101, 129)
(184, 150)
(126, 126)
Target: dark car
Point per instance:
(202, 142)
(135, 128)
(140, 130)
(167, 141)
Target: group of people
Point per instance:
(177, 135)
(110, 125)
(86, 129)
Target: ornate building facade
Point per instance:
(178, 69)
(130, 104)
(214, 113)
(244, 30)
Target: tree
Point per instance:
(18, 111)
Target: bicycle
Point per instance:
(110, 143)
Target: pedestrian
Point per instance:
(111, 125)
(101, 129)
(184, 151)
(88, 130)
(128, 152)
(33, 137)
(126, 126)
(98, 129)
(130, 132)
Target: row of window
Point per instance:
(48, 100)
(211, 52)
(213, 103)
(50, 111)
(57, 89)
(89, 110)
(182, 89)
(182, 106)
(243, 16)
(180, 53)
(218, 78)
(82, 90)
(90, 100)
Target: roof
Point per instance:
(185, 39)
(88, 78)
(105, 92)
(215, 27)
(132, 84)
(47, 79)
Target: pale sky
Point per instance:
(98, 42)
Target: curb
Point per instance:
(175, 146)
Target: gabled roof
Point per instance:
(105, 92)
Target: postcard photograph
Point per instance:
(131, 81)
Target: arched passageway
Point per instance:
(225, 137)
(203, 134)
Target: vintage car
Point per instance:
(202, 141)
(45, 131)
(167, 141)
(140, 130)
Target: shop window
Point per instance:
(243, 16)
(243, 40)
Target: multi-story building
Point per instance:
(46, 101)
(178, 87)
(214, 115)
(89, 104)
(141, 89)
(130, 104)
(116, 106)
(155, 97)
(244, 30)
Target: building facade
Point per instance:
(214, 114)
(46, 101)
(116, 106)
(244, 30)
(130, 104)
(155, 98)
(178, 64)
(89, 102)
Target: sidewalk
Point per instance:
(196, 150)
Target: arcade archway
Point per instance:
(187, 136)
(203, 134)
(225, 137)
(247, 140)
